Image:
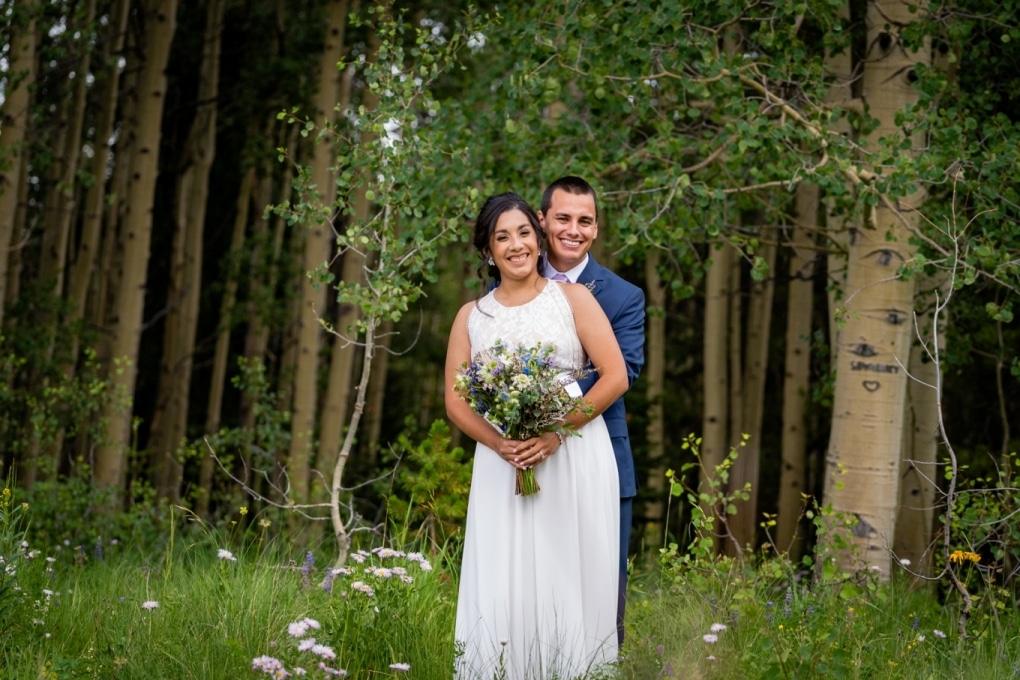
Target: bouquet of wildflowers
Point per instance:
(521, 394)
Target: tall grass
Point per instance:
(194, 610)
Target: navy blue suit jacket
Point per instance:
(624, 304)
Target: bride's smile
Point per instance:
(514, 245)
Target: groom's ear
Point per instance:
(541, 218)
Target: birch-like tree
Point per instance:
(863, 462)
(18, 81)
(160, 21)
(169, 422)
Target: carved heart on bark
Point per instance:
(871, 385)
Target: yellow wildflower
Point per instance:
(244, 510)
(960, 556)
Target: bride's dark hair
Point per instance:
(485, 224)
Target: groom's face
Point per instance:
(570, 227)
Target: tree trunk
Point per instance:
(86, 255)
(170, 421)
(264, 269)
(734, 348)
(918, 467)
(160, 23)
(108, 273)
(61, 212)
(655, 376)
(376, 400)
(744, 524)
(863, 463)
(841, 70)
(318, 243)
(14, 123)
(344, 351)
(217, 381)
(714, 428)
(21, 234)
(797, 372)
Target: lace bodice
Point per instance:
(548, 318)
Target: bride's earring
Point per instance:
(492, 263)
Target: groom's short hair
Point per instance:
(571, 185)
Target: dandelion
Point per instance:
(149, 605)
(402, 667)
(939, 634)
(718, 627)
(225, 554)
(710, 638)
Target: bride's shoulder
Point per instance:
(465, 311)
(575, 290)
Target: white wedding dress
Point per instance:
(538, 582)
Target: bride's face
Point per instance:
(514, 245)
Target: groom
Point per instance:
(569, 216)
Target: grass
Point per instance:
(69, 612)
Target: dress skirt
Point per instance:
(538, 582)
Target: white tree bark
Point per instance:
(863, 463)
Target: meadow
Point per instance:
(235, 601)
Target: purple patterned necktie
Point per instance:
(560, 277)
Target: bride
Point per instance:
(538, 582)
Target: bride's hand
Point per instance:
(535, 450)
(508, 451)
